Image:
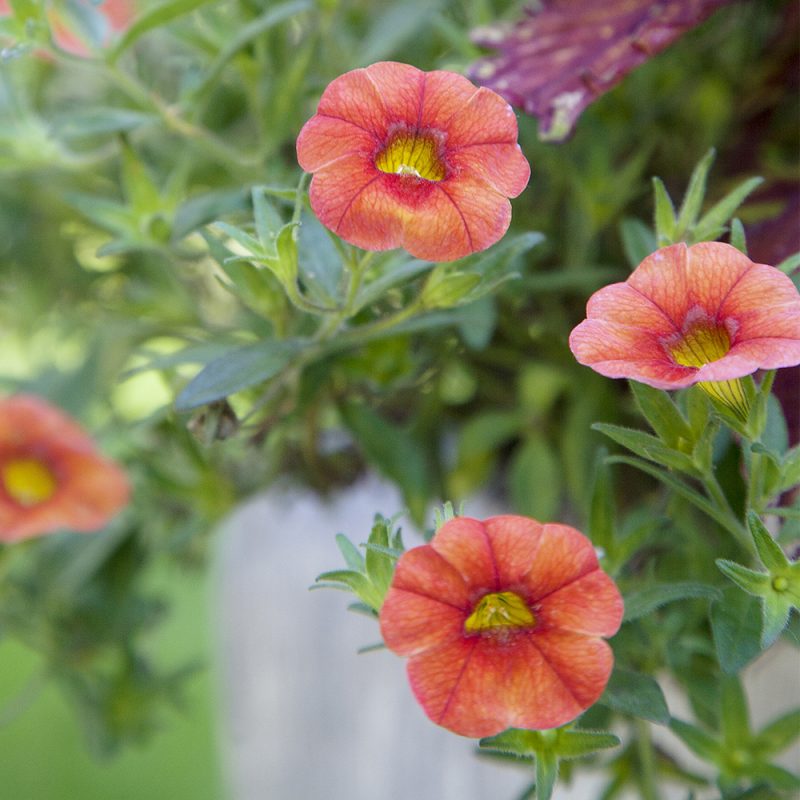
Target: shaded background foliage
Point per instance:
(115, 294)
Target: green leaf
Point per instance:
(573, 743)
(713, 222)
(394, 271)
(769, 551)
(153, 17)
(776, 776)
(736, 628)
(237, 370)
(535, 479)
(645, 601)
(647, 446)
(735, 719)
(204, 208)
(695, 193)
(776, 608)
(546, 775)
(790, 469)
(248, 242)
(790, 264)
(738, 238)
(636, 694)
(665, 220)
(638, 240)
(756, 583)
(352, 555)
(319, 263)
(394, 453)
(661, 413)
(778, 734)
(379, 565)
(697, 740)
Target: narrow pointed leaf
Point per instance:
(769, 551)
(738, 238)
(695, 193)
(713, 223)
(546, 775)
(647, 446)
(661, 413)
(697, 740)
(757, 583)
(638, 240)
(776, 608)
(352, 556)
(779, 734)
(601, 514)
(576, 744)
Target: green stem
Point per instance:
(647, 761)
(732, 524)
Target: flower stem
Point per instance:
(647, 761)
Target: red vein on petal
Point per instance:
(461, 672)
(350, 122)
(552, 669)
(460, 214)
(353, 199)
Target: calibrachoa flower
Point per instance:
(501, 620)
(420, 160)
(701, 314)
(51, 475)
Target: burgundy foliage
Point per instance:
(566, 53)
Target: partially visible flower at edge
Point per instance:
(114, 14)
(502, 622)
(51, 475)
(703, 314)
(420, 160)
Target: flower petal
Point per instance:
(563, 556)
(323, 140)
(479, 686)
(445, 94)
(620, 351)
(514, 542)
(464, 216)
(354, 97)
(590, 605)
(400, 87)
(484, 119)
(622, 304)
(348, 198)
(425, 571)
(763, 303)
(412, 623)
(582, 663)
(501, 166)
(464, 543)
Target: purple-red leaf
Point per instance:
(566, 53)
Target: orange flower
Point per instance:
(51, 475)
(701, 314)
(420, 160)
(502, 622)
(116, 14)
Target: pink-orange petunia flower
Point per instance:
(502, 621)
(420, 160)
(701, 314)
(115, 15)
(51, 475)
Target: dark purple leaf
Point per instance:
(565, 53)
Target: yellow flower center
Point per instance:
(500, 610)
(414, 154)
(27, 481)
(701, 344)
